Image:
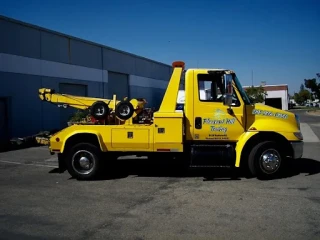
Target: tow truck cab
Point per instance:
(228, 117)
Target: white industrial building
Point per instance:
(277, 95)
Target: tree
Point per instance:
(297, 98)
(302, 96)
(313, 85)
(257, 94)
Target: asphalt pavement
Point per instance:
(312, 120)
(144, 200)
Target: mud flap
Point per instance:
(61, 163)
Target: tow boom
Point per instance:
(65, 100)
(99, 108)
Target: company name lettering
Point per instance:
(218, 129)
(268, 113)
(219, 121)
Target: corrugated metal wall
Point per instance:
(39, 43)
(37, 50)
(3, 119)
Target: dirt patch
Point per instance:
(314, 112)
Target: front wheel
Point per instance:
(84, 161)
(266, 160)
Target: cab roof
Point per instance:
(210, 70)
(182, 65)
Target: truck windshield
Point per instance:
(242, 91)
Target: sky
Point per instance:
(277, 41)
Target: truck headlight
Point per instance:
(297, 120)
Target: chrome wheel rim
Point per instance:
(124, 110)
(99, 111)
(270, 161)
(83, 162)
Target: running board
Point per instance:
(210, 166)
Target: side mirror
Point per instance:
(228, 89)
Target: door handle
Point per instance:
(198, 123)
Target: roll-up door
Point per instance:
(118, 84)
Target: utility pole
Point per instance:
(252, 77)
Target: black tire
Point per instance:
(90, 154)
(99, 110)
(258, 168)
(124, 110)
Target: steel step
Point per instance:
(209, 166)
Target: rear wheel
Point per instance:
(266, 160)
(84, 161)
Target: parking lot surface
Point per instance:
(144, 200)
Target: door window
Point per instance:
(211, 89)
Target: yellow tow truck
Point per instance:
(218, 126)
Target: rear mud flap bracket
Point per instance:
(61, 163)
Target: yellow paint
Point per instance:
(188, 107)
(130, 138)
(243, 139)
(168, 131)
(228, 127)
(263, 122)
(68, 132)
(169, 100)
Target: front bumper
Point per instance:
(297, 148)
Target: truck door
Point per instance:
(211, 119)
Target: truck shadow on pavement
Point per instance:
(150, 168)
(305, 166)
